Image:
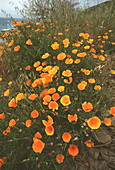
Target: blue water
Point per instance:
(5, 23)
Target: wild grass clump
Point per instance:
(68, 14)
(60, 99)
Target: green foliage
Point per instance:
(45, 55)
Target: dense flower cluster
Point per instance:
(60, 106)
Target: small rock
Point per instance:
(103, 135)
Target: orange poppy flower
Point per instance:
(72, 118)
(10, 83)
(29, 42)
(87, 72)
(28, 82)
(12, 103)
(66, 30)
(86, 47)
(2, 47)
(68, 56)
(61, 88)
(105, 33)
(55, 46)
(93, 50)
(90, 41)
(20, 96)
(1, 53)
(101, 46)
(107, 121)
(84, 82)
(44, 93)
(65, 100)
(5, 35)
(45, 85)
(46, 69)
(38, 135)
(52, 90)
(89, 143)
(28, 123)
(47, 79)
(42, 75)
(49, 130)
(97, 87)
(75, 51)
(44, 63)
(82, 86)
(94, 56)
(112, 71)
(2, 116)
(7, 93)
(19, 24)
(12, 122)
(86, 35)
(66, 137)
(73, 150)
(81, 34)
(87, 106)
(34, 114)
(94, 122)
(81, 54)
(39, 68)
(32, 96)
(112, 111)
(77, 44)
(53, 71)
(36, 64)
(49, 122)
(46, 55)
(91, 80)
(105, 37)
(101, 57)
(37, 82)
(47, 98)
(45, 102)
(38, 146)
(60, 33)
(67, 73)
(77, 61)
(35, 139)
(2, 161)
(68, 81)
(69, 61)
(61, 56)
(113, 43)
(55, 96)
(0, 78)
(60, 158)
(53, 105)
(11, 43)
(27, 67)
(5, 132)
(38, 23)
(17, 48)
(66, 41)
(66, 45)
